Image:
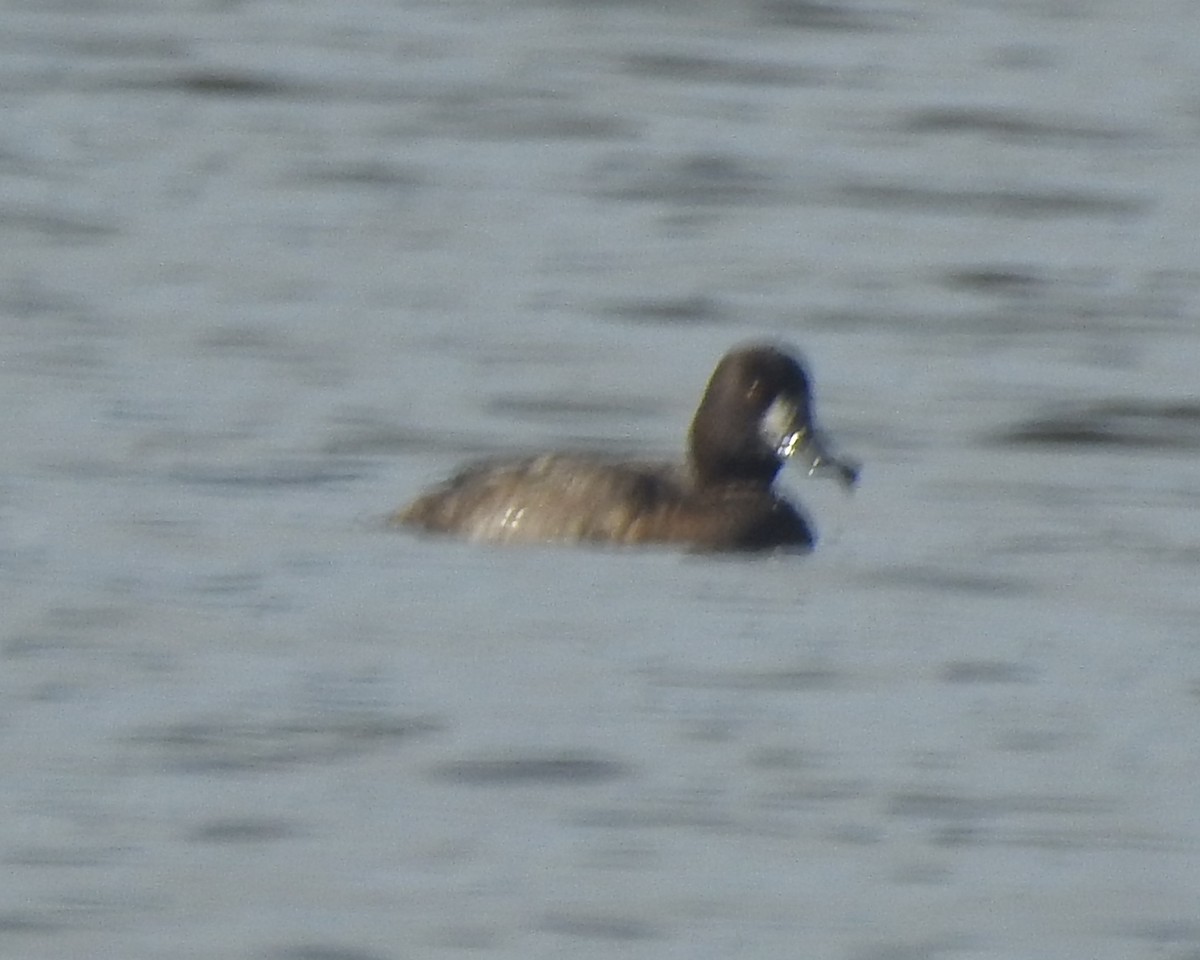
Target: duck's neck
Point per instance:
(710, 468)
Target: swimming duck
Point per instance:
(756, 412)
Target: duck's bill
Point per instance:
(794, 437)
(805, 446)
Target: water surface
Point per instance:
(269, 269)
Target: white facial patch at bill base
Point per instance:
(778, 428)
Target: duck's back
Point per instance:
(574, 498)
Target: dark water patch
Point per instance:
(364, 173)
(224, 84)
(785, 680)
(72, 856)
(312, 364)
(522, 115)
(1045, 740)
(17, 163)
(269, 476)
(936, 805)
(573, 407)
(228, 584)
(958, 835)
(951, 581)
(994, 280)
(693, 68)
(56, 226)
(859, 835)
(1164, 931)
(123, 46)
(243, 830)
(693, 180)
(69, 630)
(467, 936)
(309, 951)
(236, 744)
(986, 671)
(1024, 56)
(1005, 125)
(601, 4)
(89, 617)
(1049, 493)
(245, 339)
(902, 951)
(27, 299)
(817, 792)
(840, 17)
(1068, 805)
(669, 310)
(1018, 204)
(697, 813)
(596, 926)
(73, 361)
(568, 769)
(786, 758)
(1066, 839)
(782, 679)
(26, 922)
(1133, 424)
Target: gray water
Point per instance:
(268, 269)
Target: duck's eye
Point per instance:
(756, 393)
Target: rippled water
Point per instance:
(268, 269)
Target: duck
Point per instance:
(755, 413)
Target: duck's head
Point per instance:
(757, 412)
